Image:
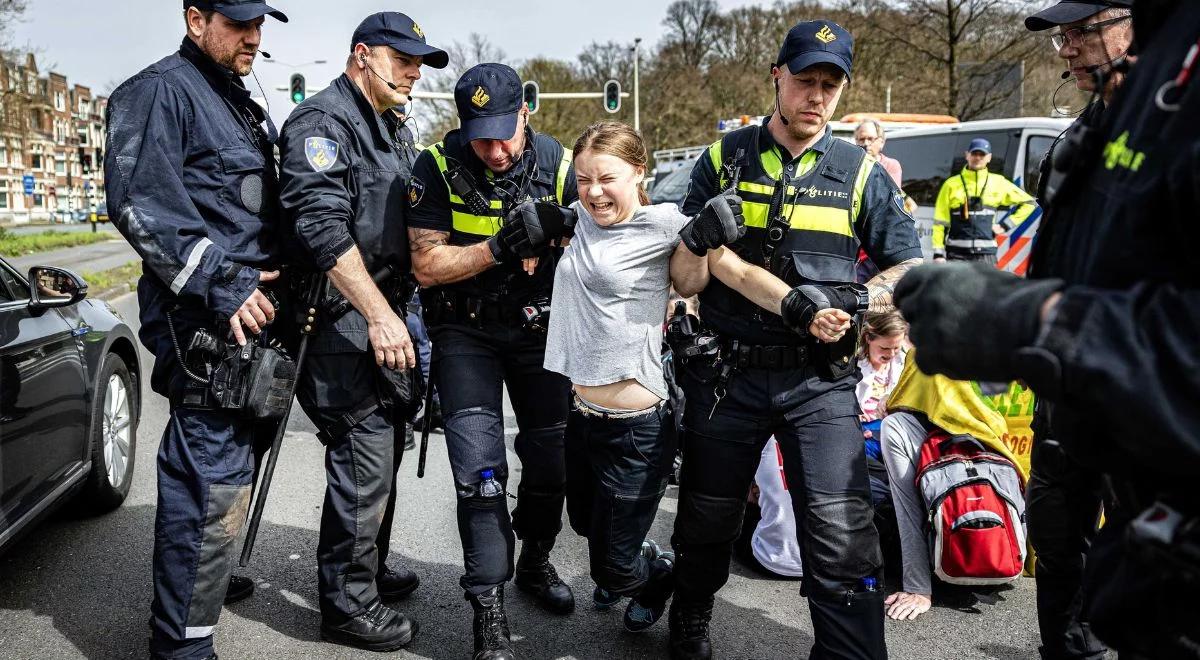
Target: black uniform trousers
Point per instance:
(361, 460)
(981, 257)
(470, 366)
(1063, 502)
(815, 422)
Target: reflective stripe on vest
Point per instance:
(756, 197)
(463, 221)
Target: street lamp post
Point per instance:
(637, 112)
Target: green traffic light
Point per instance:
(297, 97)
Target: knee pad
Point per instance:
(475, 443)
(707, 519)
(842, 545)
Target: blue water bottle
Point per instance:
(488, 486)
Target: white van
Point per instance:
(931, 155)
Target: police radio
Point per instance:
(461, 185)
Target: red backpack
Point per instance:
(976, 510)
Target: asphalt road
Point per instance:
(80, 588)
(81, 258)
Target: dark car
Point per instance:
(69, 400)
(674, 186)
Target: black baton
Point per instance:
(316, 290)
(425, 420)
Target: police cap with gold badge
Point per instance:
(489, 100)
(391, 28)
(816, 42)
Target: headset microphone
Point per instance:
(777, 105)
(265, 53)
(387, 82)
(1066, 74)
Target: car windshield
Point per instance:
(673, 187)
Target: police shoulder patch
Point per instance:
(416, 191)
(898, 199)
(321, 153)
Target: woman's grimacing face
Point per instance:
(608, 186)
(881, 350)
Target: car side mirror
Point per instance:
(55, 287)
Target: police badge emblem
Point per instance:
(321, 153)
(416, 190)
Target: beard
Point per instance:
(225, 54)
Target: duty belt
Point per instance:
(750, 356)
(453, 307)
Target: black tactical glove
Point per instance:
(557, 221)
(970, 320)
(719, 223)
(802, 303)
(521, 237)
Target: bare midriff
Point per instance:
(623, 395)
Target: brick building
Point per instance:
(52, 134)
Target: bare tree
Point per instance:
(968, 43)
(691, 29)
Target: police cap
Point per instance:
(489, 99)
(237, 10)
(1070, 11)
(391, 28)
(817, 42)
(979, 144)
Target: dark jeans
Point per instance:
(816, 425)
(617, 472)
(1063, 503)
(471, 365)
(205, 468)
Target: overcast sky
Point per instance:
(101, 44)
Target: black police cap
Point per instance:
(391, 28)
(816, 42)
(1070, 11)
(489, 100)
(238, 10)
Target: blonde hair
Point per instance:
(880, 324)
(616, 139)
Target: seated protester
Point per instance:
(918, 405)
(881, 349)
(614, 278)
(768, 542)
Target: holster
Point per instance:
(255, 381)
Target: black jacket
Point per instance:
(1124, 373)
(344, 176)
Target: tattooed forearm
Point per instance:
(436, 262)
(880, 288)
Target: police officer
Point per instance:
(809, 202)
(345, 160)
(479, 247)
(1063, 499)
(1106, 332)
(966, 217)
(192, 185)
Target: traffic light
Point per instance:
(612, 96)
(530, 91)
(297, 87)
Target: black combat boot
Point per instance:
(491, 626)
(536, 575)
(396, 584)
(377, 628)
(240, 588)
(688, 622)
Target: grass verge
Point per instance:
(14, 245)
(114, 281)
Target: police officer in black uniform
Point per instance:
(345, 160)
(191, 184)
(484, 204)
(809, 202)
(1063, 499)
(1107, 333)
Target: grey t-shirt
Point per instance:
(610, 299)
